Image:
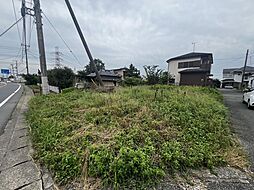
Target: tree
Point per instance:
(89, 69)
(82, 75)
(61, 77)
(216, 83)
(163, 77)
(31, 79)
(153, 74)
(99, 64)
(132, 71)
(132, 81)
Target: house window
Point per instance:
(189, 64)
(180, 65)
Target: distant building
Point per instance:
(109, 78)
(233, 76)
(120, 72)
(251, 82)
(191, 69)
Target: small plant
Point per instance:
(134, 136)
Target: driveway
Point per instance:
(242, 120)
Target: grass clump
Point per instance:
(132, 136)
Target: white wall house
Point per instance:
(251, 82)
(233, 77)
(189, 62)
(173, 67)
(120, 72)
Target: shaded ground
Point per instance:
(242, 120)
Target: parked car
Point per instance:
(248, 97)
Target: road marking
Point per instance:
(9, 97)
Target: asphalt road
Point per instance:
(7, 107)
(242, 120)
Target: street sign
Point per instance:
(5, 71)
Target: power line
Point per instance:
(16, 55)
(30, 34)
(231, 59)
(8, 58)
(14, 10)
(10, 27)
(62, 39)
(228, 59)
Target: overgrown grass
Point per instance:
(133, 136)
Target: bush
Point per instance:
(134, 136)
(61, 77)
(132, 81)
(31, 79)
(71, 89)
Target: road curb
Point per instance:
(17, 167)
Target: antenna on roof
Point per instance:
(194, 46)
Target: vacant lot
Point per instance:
(134, 136)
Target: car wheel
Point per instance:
(249, 106)
(243, 100)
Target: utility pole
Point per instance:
(23, 14)
(44, 78)
(84, 42)
(12, 70)
(17, 71)
(244, 68)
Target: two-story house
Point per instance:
(233, 76)
(191, 69)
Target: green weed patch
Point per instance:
(132, 136)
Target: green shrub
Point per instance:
(71, 89)
(134, 136)
(132, 81)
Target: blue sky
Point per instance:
(143, 32)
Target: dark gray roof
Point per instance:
(124, 68)
(195, 71)
(248, 69)
(228, 80)
(190, 55)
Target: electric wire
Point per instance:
(30, 35)
(15, 14)
(62, 39)
(10, 27)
